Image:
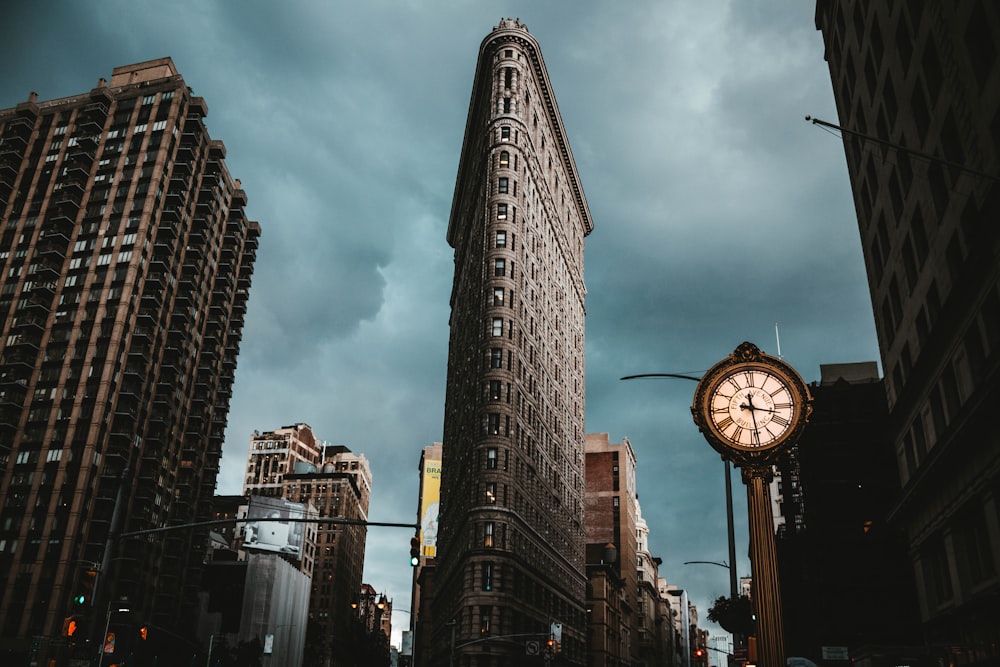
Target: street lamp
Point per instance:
(708, 562)
(731, 530)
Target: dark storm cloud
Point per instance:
(718, 212)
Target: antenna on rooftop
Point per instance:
(777, 339)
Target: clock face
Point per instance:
(751, 407)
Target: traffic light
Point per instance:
(414, 551)
(85, 591)
(557, 649)
(699, 653)
(70, 626)
(144, 632)
(550, 646)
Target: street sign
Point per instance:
(835, 653)
(109, 643)
(532, 647)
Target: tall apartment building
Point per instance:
(126, 261)
(291, 463)
(917, 87)
(511, 537)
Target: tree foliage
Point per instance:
(734, 615)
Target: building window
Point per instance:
(484, 620)
(501, 239)
(495, 389)
(491, 492)
(487, 576)
(501, 211)
(499, 267)
(497, 296)
(937, 574)
(488, 529)
(497, 326)
(496, 357)
(491, 458)
(505, 133)
(504, 159)
(493, 423)
(503, 185)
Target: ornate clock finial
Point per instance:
(747, 351)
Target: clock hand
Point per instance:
(753, 415)
(753, 408)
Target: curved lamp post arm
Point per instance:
(707, 562)
(680, 376)
(729, 483)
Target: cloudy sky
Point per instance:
(718, 213)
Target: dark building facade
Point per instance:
(126, 261)
(917, 88)
(846, 579)
(510, 554)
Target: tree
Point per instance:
(734, 615)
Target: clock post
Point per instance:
(751, 408)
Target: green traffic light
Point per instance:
(414, 561)
(79, 599)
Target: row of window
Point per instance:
(953, 386)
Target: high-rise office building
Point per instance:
(836, 527)
(274, 454)
(611, 518)
(126, 261)
(429, 505)
(917, 88)
(292, 464)
(510, 554)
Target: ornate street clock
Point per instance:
(751, 406)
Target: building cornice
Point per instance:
(512, 31)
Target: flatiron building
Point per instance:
(125, 265)
(511, 539)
